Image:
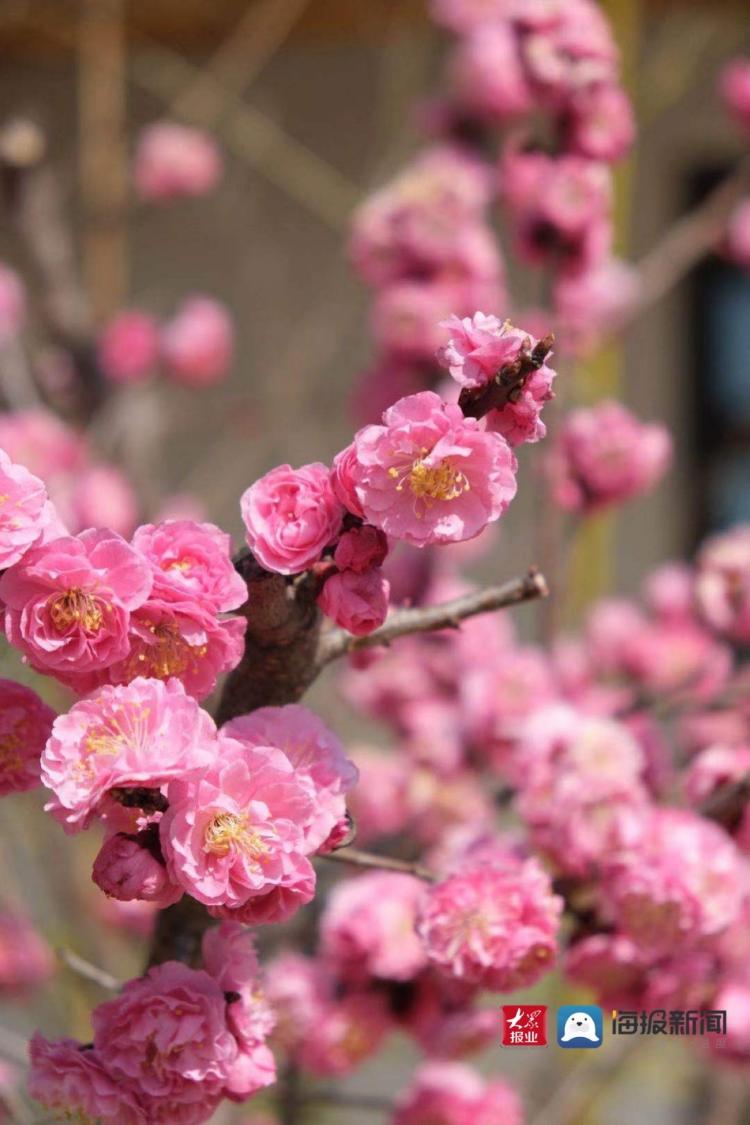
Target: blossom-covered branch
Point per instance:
(425, 619)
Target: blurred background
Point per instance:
(311, 103)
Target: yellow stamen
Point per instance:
(228, 832)
(75, 607)
(430, 483)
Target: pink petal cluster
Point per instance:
(25, 725)
(604, 455)
(367, 927)
(478, 350)
(356, 602)
(428, 475)
(234, 829)
(71, 1078)
(68, 603)
(195, 559)
(560, 208)
(734, 87)
(104, 497)
(128, 348)
(595, 304)
(578, 775)
(140, 735)
(675, 880)
(166, 1038)
(449, 1093)
(26, 960)
(316, 754)
(173, 160)
(24, 511)
(291, 516)
(493, 925)
(198, 342)
(722, 583)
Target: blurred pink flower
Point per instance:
(197, 344)
(485, 75)
(25, 725)
(367, 927)
(128, 348)
(722, 583)
(450, 1093)
(67, 1076)
(173, 160)
(26, 960)
(104, 497)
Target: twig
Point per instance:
(370, 1103)
(690, 239)
(88, 971)
(385, 862)
(426, 619)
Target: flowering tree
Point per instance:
(580, 806)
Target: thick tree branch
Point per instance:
(426, 619)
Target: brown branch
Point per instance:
(89, 971)
(358, 858)
(508, 383)
(689, 240)
(728, 803)
(426, 619)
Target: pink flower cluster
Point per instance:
(83, 491)
(480, 348)
(455, 1094)
(93, 609)
(169, 1047)
(603, 455)
(194, 348)
(173, 161)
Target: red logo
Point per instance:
(525, 1025)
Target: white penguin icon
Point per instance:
(579, 1025)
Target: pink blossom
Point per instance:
(166, 1033)
(26, 960)
(450, 1093)
(318, 757)
(426, 222)
(360, 549)
(12, 304)
(25, 725)
(174, 634)
(194, 558)
(611, 965)
(443, 1021)
(601, 125)
(604, 455)
(668, 592)
(346, 1032)
(356, 602)
(129, 347)
(197, 344)
(295, 889)
(675, 880)
(38, 439)
(291, 516)
(129, 867)
(23, 510)
(712, 769)
(379, 803)
(68, 603)
(407, 315)
(174, 160)
(140, 735)
(233, 829)
(104, 497)
(342, 480)
(486, 75)
(569, 46)
(594, 304)
(494, 925)
(722, 584)
(560, 207)
(734, 87)
(367, 927)
(429, 475)
(69, 1077)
